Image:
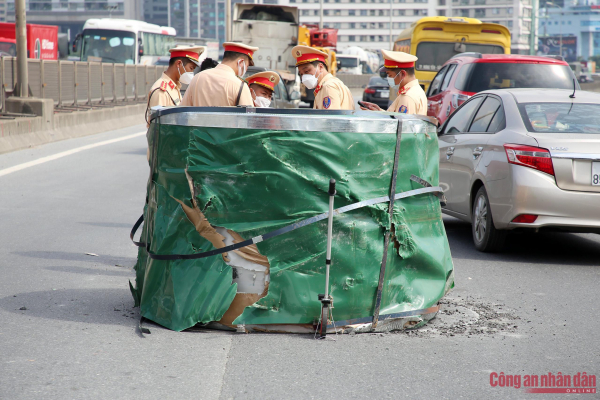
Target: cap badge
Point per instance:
(272, 78)
(298, 53)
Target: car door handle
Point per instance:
(449, 152)
(477, 151)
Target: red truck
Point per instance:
(42, 41)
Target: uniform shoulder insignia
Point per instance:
(163, 86)
(403, 109)
(327, 102)
(403, 90)
(171, 85)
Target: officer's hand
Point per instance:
(370, 106)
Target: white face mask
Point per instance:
(186, 77)
(262, 102)
(310, 81)
(259, 101)
(392, 81)
(241, 69)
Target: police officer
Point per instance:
(400, 70)
(262, 86)
(330, 92)
(223, 86)
(166, 90)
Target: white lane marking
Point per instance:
(56, 156)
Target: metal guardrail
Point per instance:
(75, 84)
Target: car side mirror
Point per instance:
(295, 95)
(76, 42)
(382, 74)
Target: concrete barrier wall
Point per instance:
(592, 87)
(355, 81)
(27, 132)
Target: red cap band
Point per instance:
(309, 57)
(183, 53)
(238, 49)
(262, 81)
(396, 64)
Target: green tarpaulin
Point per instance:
(254, 173)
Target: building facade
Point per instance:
(582, 21)
(2, 10)
(514, 14)
(211, 22)
(363, 23)
(366, 23)
(70, 15)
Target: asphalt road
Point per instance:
(68, 326)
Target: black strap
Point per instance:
(148, 104)
(386, 241)
(296, 225)
(134, 229)
(239, 96)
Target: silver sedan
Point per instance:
(522, 159)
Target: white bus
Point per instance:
(123, 41)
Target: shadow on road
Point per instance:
(109, 224)
(524, 247)
(63, 255)
(93, 271)
(139, 152)
(93, 306)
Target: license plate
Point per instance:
(595, 173)
(384, 93)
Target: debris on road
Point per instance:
(469, 317)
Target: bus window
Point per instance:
(432, 55)
(402, 45)
(156, 44)
(108, 46)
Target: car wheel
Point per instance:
(485, 235)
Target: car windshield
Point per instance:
(8, 48)
(561, 117)
(377, 81)
(486, 76)
(347, 62)
(108, 46)
(433, 55)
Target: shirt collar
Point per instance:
(225, 68)
(408, 86)
(168, 79)
(327, 77)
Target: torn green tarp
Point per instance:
(253, 181)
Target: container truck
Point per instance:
(42, 41)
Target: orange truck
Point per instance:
(42, 41)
